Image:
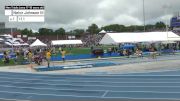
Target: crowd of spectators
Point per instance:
(87, 39)
(91, 39)
(177, 32)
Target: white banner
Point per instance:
(31, 38)
(26, 12)
(24, 36)
(19, 36)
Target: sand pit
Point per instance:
(126, 68)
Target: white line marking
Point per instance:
(143, 92)
(49, 84)
(105, 93)
(94, 78)
(38, 94)
(55, 89)
(66, 82)
(12, 99)
(131, 98)
(51, 89)
(91, 76)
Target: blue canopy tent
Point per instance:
(127, 46)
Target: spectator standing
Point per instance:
(63, 53)
(60, 49)
(109, 51)
(30, 58)
(48, 57)
(6, 58)
(152, 52)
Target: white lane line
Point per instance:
(92, 76)
(51, 89)
(73, 85)
(144, 92)
(56, 89)
(12, 99)
(70, 83)
(131, 98)
(40, 94)
(95, 80)
(140, 73)
(57, 82)
(66, 82)
(18, 78)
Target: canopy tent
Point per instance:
(7, 35)
(102, 32)
(8, 43)
(66, 42)
(115, 38)
(37, 43)
(22, 44)
(1, 39)
(128, 46)
(168, 42)
(17, 39)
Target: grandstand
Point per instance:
(175, 24)
(91, 40)
(8, 40)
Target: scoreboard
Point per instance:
(25, 13)
(175, 22)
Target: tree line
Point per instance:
(94, 29)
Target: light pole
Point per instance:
(12, 37)
(166, 7)
(144, 20)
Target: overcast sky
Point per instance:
(72, 14)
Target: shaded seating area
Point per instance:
(129, 42)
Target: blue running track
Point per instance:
(153, 86)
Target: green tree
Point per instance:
(93, 29)
(140, 28)
(114, 28)
(78, 31)
(160, 25)
(60, 31)
(35, 34)
(26, 32)
(132, 28)
(45, 31)
(150, 27)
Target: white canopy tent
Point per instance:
(115, 38)
(7, 35)
(168, 42)
(8, 43)
(22, 44)
(37, 43)
(102, 32)
(1, 39)
(66, 42)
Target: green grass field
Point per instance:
(76, 51)
(11, 63)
